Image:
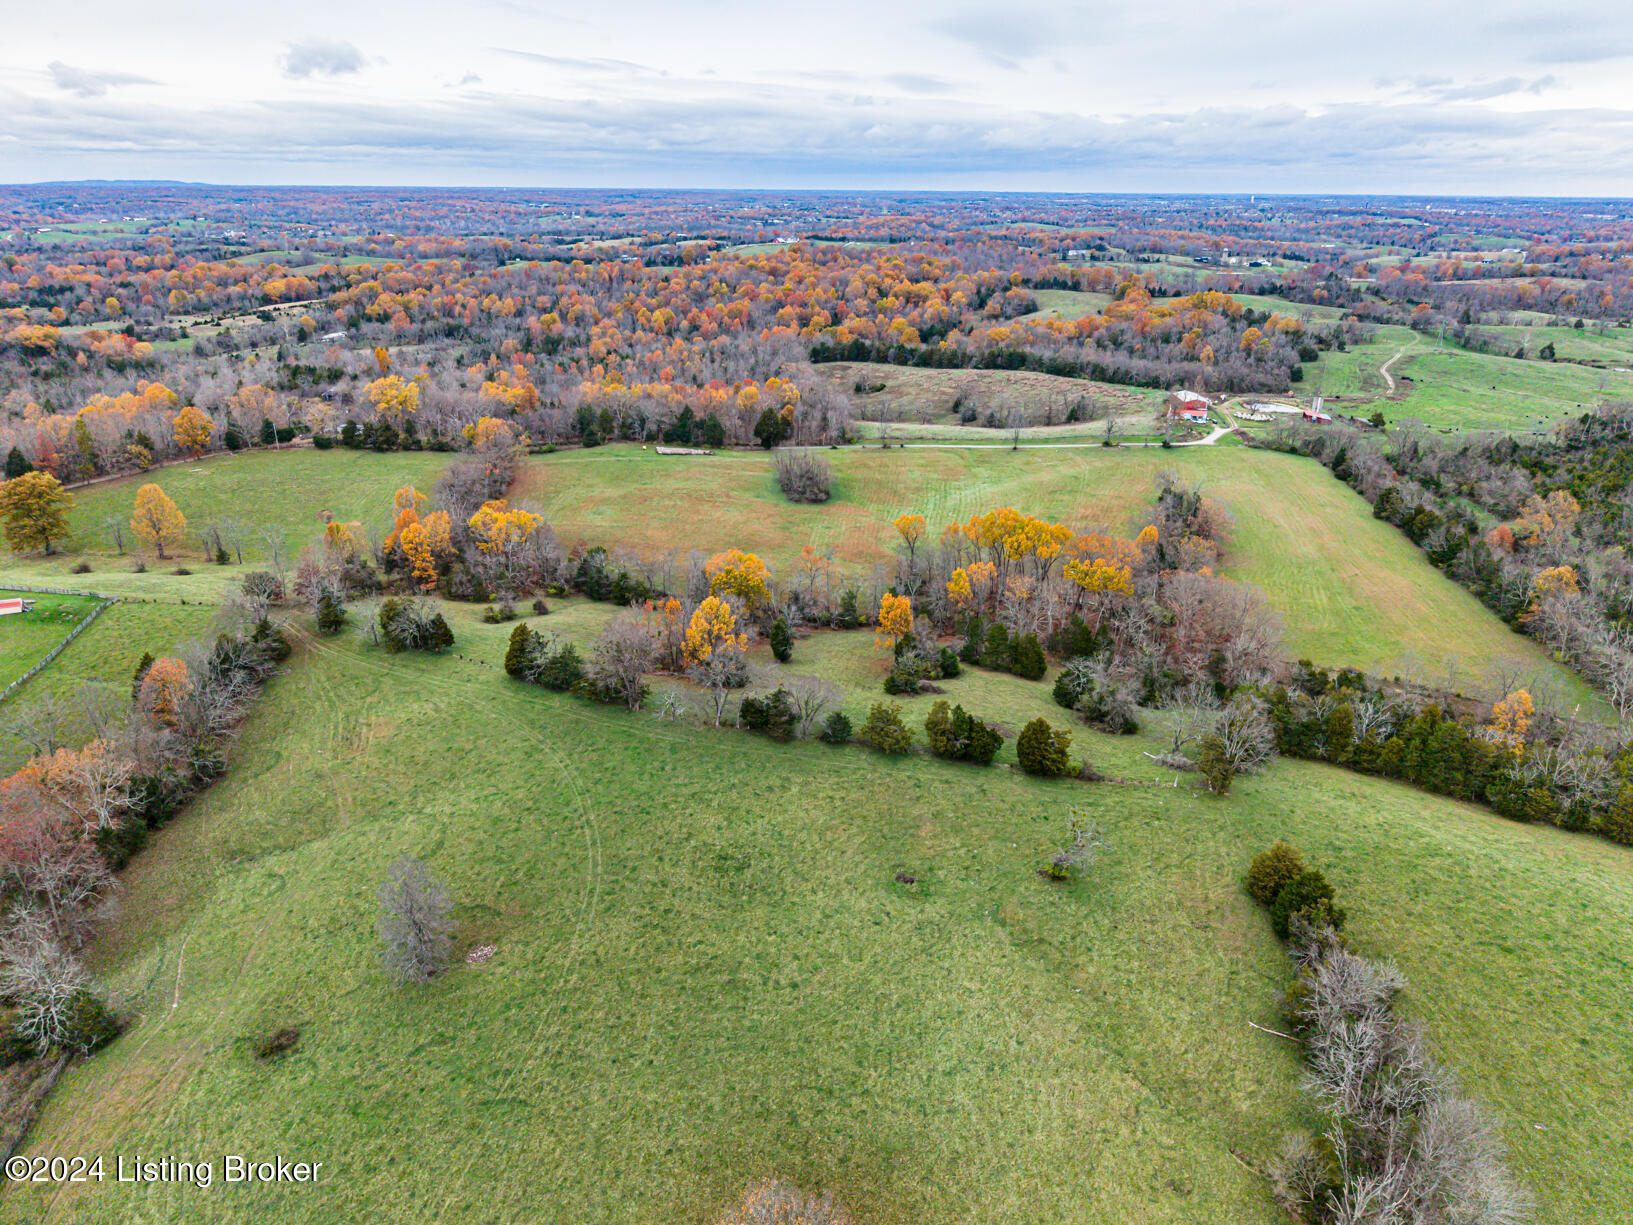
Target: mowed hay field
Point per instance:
(915, 394)
(1351, 590)
(707, 972)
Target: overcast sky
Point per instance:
(1386, 96)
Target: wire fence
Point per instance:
(83, 625)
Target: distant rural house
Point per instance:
(1189, 406)
(1317, 414)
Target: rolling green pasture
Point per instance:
(283, 491)
(1066, 304)
(1480, 391)
(25, 638)
(1350, 590)
(708, 972)
(1282, 306)
(1599, 344)
(1452, 388)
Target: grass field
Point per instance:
(925, 396)
(280, 491)
(1600, 343)
(1066, 304)
(1456, 389)
(107, 651)
(1351, 590)
(27, 637)
(707, 972)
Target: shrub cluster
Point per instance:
(409, 624)
(1278, 880)
(803, 476)
(1088, 688)
(1347, 722)
(1397, 1130)
(772, 715)
(992, 646)
(884, 730)
(542, 659)
(957, 736)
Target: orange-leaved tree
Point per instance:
(164, 688)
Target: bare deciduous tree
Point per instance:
(810, 696)
(42, 977)
(623, 655)
(414, 925)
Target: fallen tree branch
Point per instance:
(1277, 1032)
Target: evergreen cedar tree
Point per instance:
(956, 736)
(884, 730)
(1271, 870)
(836, 728)
(331, 614)
(781, 640)
(1042, 750)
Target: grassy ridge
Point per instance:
(1454, 388)
(279, 490)
(706, 971)
(1351, 590)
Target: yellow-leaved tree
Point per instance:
(895, 620)
(1511, 720)
(417, 549)
(911, 529)
(343, 539)
(34, 508)
(498, 526)
(193, 427)
(157, 521)
(740, 574)
(394, 398)
(714, 651)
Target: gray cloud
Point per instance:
(917, 83)
(89, 84)
(321, 57)
(792, 137)
(1484, 91)
(583, 64)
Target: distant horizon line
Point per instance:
(852, 191)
